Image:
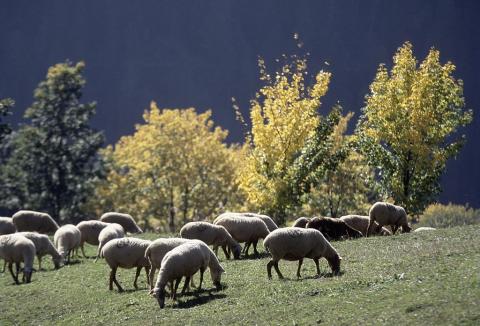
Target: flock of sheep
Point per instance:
(22, 238)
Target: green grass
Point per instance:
(418, 278)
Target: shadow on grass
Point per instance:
(253, 256)
(200, 297)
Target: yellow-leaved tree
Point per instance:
(408, 125)
(174, 168)
(285, 120)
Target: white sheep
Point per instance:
(211, 234)
(7, 226)
(157, 250)
(301, 222)
(360, 223)
(43, 246)
(90, 231)
(244, 229)
(66, 239)
(126, 253)
(271, 225)
(293, 243)
(186, 260)
(110, 232)
(15, 248)
(424, 228)
(124, 220)
(388, 214)
(34, 221)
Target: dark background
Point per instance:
(203, 53)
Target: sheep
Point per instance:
(15, 248)
(7, 226)
(34, 221)
(157, 250)
(110, 232)
(271, 225)
(43, 246)
(90, 231)
(424, 228)
(301, 222)
(124, 220)
(212, 234)
(360, 223)
(126, 253)
(244, 229)
(388, 214)
(332, 228)
(293, 243)
(186, 260)
(66, 239)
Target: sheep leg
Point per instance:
(39, 262)
(147, 272)
(201, 278)
(269, 269)
(151, 275)
(215, 250)
(317, 264)
(113, 277)
(394, 228)
(227, 254)
(185, 285)
(174, 291)
(370, 227)
(139, 269)
(15, 278)
(255, 251)
(247, 246)
(4, 266)
(83, 251)
(300, 262)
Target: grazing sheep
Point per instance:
(333, 228)
(43, 246)
(7, 226)
(271, 225)
(424, 228)
(388, 214)
(110, 232)
(157, 250)
(15, 248)
(124, 220)
(212, 234)
(90, 231)
(360, 223)
(66, 239)
(186, 260)
(244, 229)
(34, 221)
(126, 253)
(293, 243)
(301, 222)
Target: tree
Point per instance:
(408, 127)
(54, 160)
(287, 133)
(176, 165)
(5, 105)
(348, 189)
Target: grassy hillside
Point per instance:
(417, 278)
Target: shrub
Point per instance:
(441, 216)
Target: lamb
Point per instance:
(186, 260)
(212, 234)
(293, 243)
(157, 250)
(360, 223)
(43, 246)
(66, 239)
(34, 221)
(15, 248)
(126, 253)
(7, 226)
(424, 228)
(388, 214)
(332, 228)
(110, 232)
(301, 222)
(244, 229)
(90, 231)
(124, 220)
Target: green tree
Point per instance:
(408, 127)
(5, 110)
(54, 159)
(173, 169)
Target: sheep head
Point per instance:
(237, 250)
(334, 263)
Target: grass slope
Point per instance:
(417, 278)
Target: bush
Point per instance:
(442, 216)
